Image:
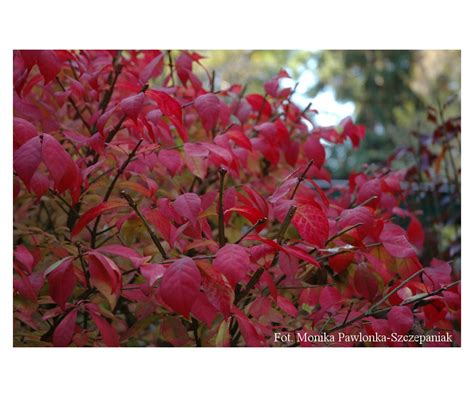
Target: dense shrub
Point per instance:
(154, 209)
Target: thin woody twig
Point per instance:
(343, 231)
(372, 308)
(76, 108)
(170, 64)
(111, 188)
(251, 229)
(222, 173)
(258, 273)
(151, 232)
(301, 179)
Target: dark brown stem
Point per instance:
(71, 208)
(301, 179)
(195, 326)
(98, 245)
(83, 265)
(348, 313)
(117, 128)
(105, 173)
(151, 232)
(365, 202)
(286, 223)
(252, 228)
(308, 106)
(289, 100)
(198, 257)
(213, 80)
(401, 285)
(195, 180)
(170, 64)
(108, 94)
(343, 231)
(222, 173)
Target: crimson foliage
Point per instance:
(152, 209)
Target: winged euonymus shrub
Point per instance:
(153, 209)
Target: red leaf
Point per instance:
(320, 191)
(259, 104)
(188, 205)
(171, 160)
(64, 332)
(153, 69)
(239, 138)
(437, 274)
(257, 200)
(233, 261)
(60, 165)
(203, 310)
(415, 233)
(27, 159)
(223, 155)
(163, 225)
(39, 184)
(355, 132)
(287, 306)
(312, 224)
(93, 213)
(301, 254)
(180, 285)
(171, 108)
(49, 65)
(250, 213)
(271, 86)
(133, 105)
(108, 333)
(368, 190)
(49, 62)
(394, 240)
(353, 216)
(24, 257)
(125, 252)
(314, 150)
(208, 108)
(271, 243)
(329, 297)
(152, 272)
(217, 289)
(247, 328)
(365, 283)
(196, 159)
(283, 190)
(29, 286)
(23, 131)
(340, 262)
(105, 276)
(61, 281)
(400, 319)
